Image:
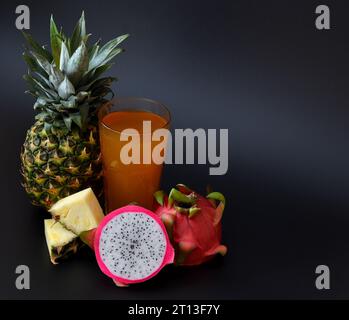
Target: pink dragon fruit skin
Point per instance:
(193, 223)
(93, 239)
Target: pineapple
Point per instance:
(60, 241)
(72, 216)
(79, 212)
(61, 152)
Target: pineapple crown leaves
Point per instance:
(66, 81)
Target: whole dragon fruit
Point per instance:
(193, 223)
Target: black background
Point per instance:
(259, 68)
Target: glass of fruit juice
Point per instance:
(126, 128)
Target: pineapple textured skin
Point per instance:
(58, 164)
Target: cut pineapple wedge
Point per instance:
(78, 212)
(60, 241)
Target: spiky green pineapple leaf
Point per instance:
(77, 64)
(102, 82)
(66, 89)
(93, 50)
(41, 61)
(79, 33)
(107, 52)
(29, 60)
(51, 94)
(31, 92)
(76, 118)
(32, 86)
(84, 112)
(36, 47)
(38, 88)
(41, 116)
(93, 75)
(56, 41)
(32, 64)
(102, 92)
(40, 103)
(112, 44)
(70, 103)
(59, 123)
(67, 121)
(56, 76)
(43, 80)
(107, 81)
(64, 57)
(103, 57)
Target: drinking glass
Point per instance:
(121, 124)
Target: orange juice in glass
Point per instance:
(135, 181)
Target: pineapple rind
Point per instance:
(60, 241)
(56, 164)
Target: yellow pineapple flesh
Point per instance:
(78, 212)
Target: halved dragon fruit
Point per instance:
(131, 245)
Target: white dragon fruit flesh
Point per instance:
(131, 245)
